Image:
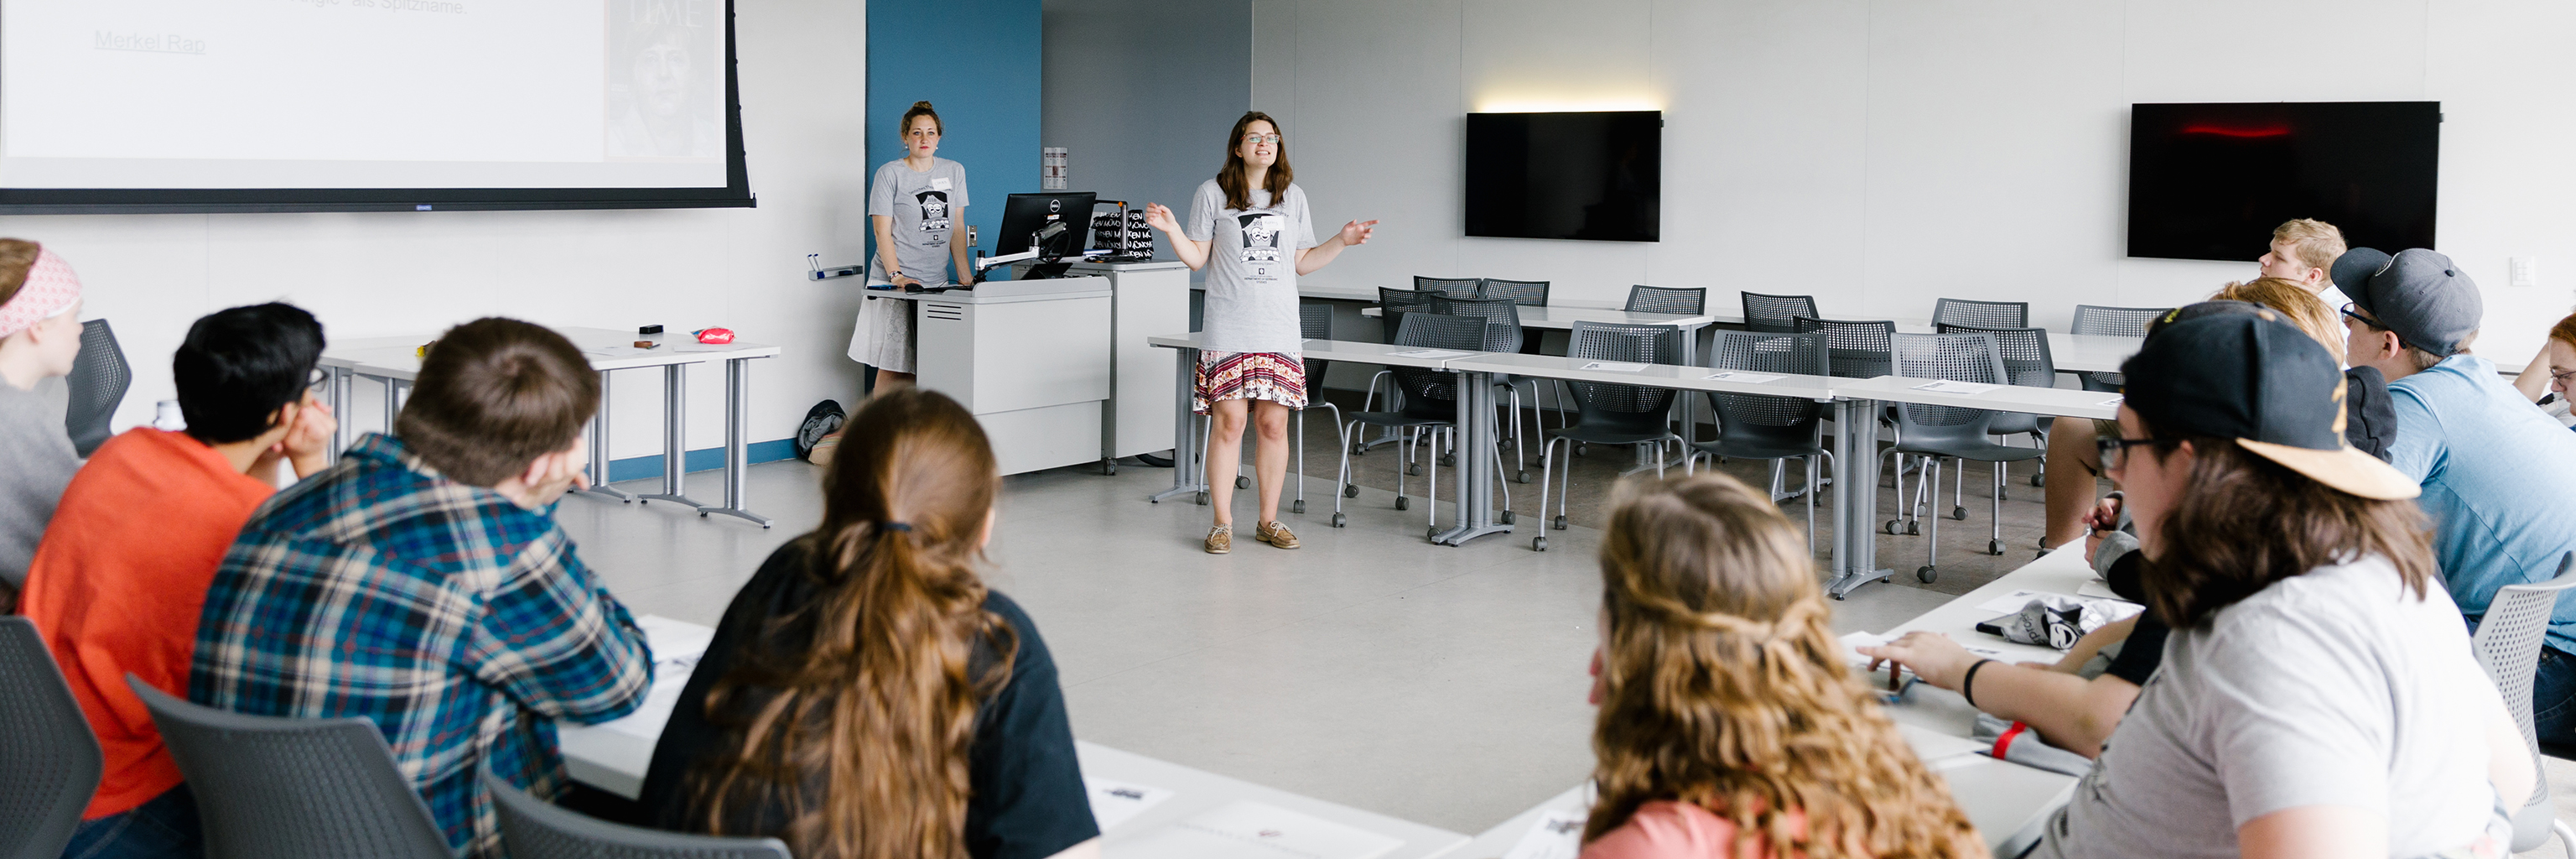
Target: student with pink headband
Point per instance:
(40, 301)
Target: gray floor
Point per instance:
(1442, 685)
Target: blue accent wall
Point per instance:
(978, 62)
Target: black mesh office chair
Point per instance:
(534, 829)
(1667, 299)
(1776, 314)
(1751, 426)
(1454, 287)
(1982, 314)
(98, 382)
(1608, 413)
(1393, 304)
(1526, 293)
(46, 748)
(2094, 319)
(1315, 322)
(2026, 363)
(1503, 333)
(1952, 433)
(1430, 401)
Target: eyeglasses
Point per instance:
(2115, 451)
(315, 378)
(2561, 376)
(2347, 311)
(1261, 138)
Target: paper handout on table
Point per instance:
(1245, 829)
(1946, 386)
(1616, 366)
(677, 646)
(1430, 353)
(676, 643)
(1557, 834)
(1114, 802)
(1741, 376)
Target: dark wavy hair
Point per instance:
(2244, 522)
(1238, 194)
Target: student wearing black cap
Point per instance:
(2495, 471)
(2318, 697)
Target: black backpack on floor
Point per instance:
(823, 419)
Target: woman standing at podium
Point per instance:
(917, 206)
(1250, 231)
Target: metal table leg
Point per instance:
(599, 450)
(1477, 451)
(1189, 466)
(340, 383)
(737, 451)
(393, 402)
(1856, 501)
(675, 449)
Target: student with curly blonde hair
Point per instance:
(1730, 725)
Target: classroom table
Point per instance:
(395, 362)
(614, 757)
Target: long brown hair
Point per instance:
(2247, 522)
(1726, 689)
(1230, 179)
(2304, 308)
(870, 709)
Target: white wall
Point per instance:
(803, 74)
(1882, 154)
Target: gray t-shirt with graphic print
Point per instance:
(925, 205)
(1252, 268)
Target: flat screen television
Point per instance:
(1595, 175)
(2211, 181)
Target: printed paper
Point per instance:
(1114, 802)
(1556, 834)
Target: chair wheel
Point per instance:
(1299, 506)
(1507, 517)
(1538, 544)
(2003, 494)
(1414, 470)
(1203, 498)
(1448, 459)
(2039, 480)
(1242, 482)
(1959, 513)
(1914, 529)
(1994, 547)
(1350, 490)
(1402, 502)
(1895, 527)
(1339, 520)
(1582, 449)
(1522, 477)
(1431, 533)
(1359, 448)
(1927, 573)
(1560, 523)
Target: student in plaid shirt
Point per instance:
(421, 582)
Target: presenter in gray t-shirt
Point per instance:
(917, 205)
(1250, 230)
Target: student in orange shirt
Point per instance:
(117, 583)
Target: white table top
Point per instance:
(606, 348)
(1675, 376)
(2061, 572)
(1561, 317)
(2063, 402)
(1344, 350)
(2090, 353)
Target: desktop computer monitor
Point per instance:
(1024, 215)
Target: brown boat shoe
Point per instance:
(1275, 533)
(1220, 539)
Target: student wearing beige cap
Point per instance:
(40, 301)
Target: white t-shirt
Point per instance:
(1252, 268)
(2337, 687)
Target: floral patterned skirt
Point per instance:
(1279, 377)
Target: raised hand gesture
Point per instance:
(1357, 232)
(1160, 217)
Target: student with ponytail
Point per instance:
(1729, 724)
(866, 697)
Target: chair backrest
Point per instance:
(1527, 293)
(1776, 314)
(46, 748)
(1430, 392)
(98, 381)
(1983, 314)
(1612, 341)
(293, 788)
(2508, 645)
(1502, 319)
(1395, 303)
(1764, 352)
(1858, 348)
(534, 829)
(2024, 352)
(1314, 322)
(1456, 287)
(2112, 322)
(1962, 357)
(1667, 299)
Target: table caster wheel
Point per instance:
(702, 514)
(1538, 544)
(1402, 502)
(1914, 529)
(1560, 523)
(1203, 498)
(1994, 547)
(1339, 520)
(1522, 477)
(1838, 597)
(1109, 466)
(1350, 490)
(1895, 527)
(1432, 533)
(1242, 482)
(1414, 470)
(1299, 506)
(1926, 574)
(1959, 513)
(1507, 517)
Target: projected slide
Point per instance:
(410, 94)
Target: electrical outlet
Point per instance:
(2524, 271)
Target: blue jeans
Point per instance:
(2553, 697)
(164, 827)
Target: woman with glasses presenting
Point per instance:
(917, 206)
(1249, 228)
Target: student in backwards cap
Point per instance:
(2495, 472)
(2317, 697)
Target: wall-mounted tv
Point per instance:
(2211, 181)
(1595, 175)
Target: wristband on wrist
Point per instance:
(1968, 684)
